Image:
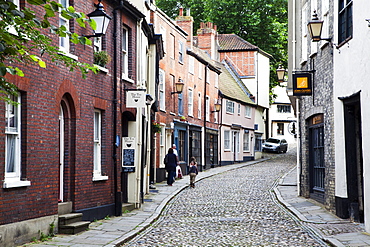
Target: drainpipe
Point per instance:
(205, 118)
(117, 194)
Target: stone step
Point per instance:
(74, 228)
(127, 207)
(66, 219)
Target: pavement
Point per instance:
(115, 231)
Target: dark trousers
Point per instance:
(171, 177)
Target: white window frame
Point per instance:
(190, 102)
(97, 44)
(64, 41)
(162, 142)
(162, 90)
(124, 53)
(200, 70)
(191, 65)
(246, 141)
(304, 33)
(248, 111)
(230, 105)
(227, 146)
(97, 146)
(216, 113)
(181, 52)
(13, 132)
(164, 40)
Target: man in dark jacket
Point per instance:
(171, 162)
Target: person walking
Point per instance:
(171, 162)
(193, 171)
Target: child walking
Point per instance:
(193, 171)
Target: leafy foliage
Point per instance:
(23, 39)
(261, 22)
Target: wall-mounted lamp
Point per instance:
(179, 86)
(217, 107)
(101, 18)
(280, 72)
(315, 28)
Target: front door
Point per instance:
(61, 154)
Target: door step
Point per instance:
(127, 207)
(72, 223)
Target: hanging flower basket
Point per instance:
(156, 127)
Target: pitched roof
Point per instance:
(232, 42)
(232, 87)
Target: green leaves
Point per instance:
(37, 2)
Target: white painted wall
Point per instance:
(352, 74)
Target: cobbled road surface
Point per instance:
(235, 208)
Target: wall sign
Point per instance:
(135, 98)
(302, 84)
(128, 154)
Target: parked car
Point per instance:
(275, 145)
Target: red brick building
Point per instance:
(61, 148)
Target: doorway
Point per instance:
(353, 153)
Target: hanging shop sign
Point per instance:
(135, 98)
(302, 84)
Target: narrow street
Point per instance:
(235, 208)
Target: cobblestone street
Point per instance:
(235, 208)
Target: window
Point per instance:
(125, 53)
(229, 106)
(216, 80)
(304, 33)
(283, 108)
(258, 143)
(216, 113)
(207, 108)
(97, 143)
(325, 18)
(199, 106)
(200, 70)
(280, 128)
(163, 32)
(227, 140)
(181, 52)
(345, 20)
(97, 44)
(161, 86)
(246, 141)
(162, 147)
(190, 102)
(239, 109)
(13, 145)
(64, 41)
(191, 65)
(181, 104)
(248, 111)
(16, 2)
(172, 46)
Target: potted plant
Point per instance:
(101, 58)
(182, 118)
(156, 127)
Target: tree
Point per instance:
(23, 39)
(263, 23)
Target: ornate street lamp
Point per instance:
(179, 86)
(217, 107)
(280, 73)
(315, 28)
(101, 18)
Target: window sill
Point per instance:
(100, 178)
(102, 69)
(15, 184)
(125, 78)
(74, 57)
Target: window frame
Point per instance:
(162, 90)
(13, 179)
(345, 21)
(97, 140)
(227, 140)
(64, 44)
(125, 53)
(190, 101)
(248, 111)
(230, 107)
(246, 141)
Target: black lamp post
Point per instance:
(101, 18)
